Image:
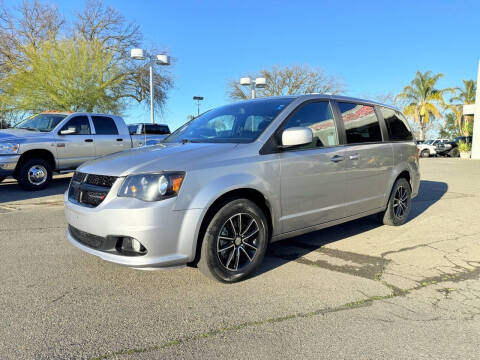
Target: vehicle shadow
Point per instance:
(10, 191)
(294, 249)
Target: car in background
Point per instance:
(225, 185)
(60, 141)
(465, 139)
(153, 133)
(449, 148)
(429, 147)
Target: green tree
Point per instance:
(288, 80)
(450, 130)
(66, 75)
(422, 100)
(465, 95)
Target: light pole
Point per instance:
(162, 59)
(198, 99)
(258, 83)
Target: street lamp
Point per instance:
(198, 99)
(258, 83)
(162, 59)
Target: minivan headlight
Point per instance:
(9, 148)
(152, 187)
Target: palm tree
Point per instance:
(465, 95)
(422, 99)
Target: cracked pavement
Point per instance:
(357, 290)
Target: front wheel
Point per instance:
(425, 153)
(235, 242)
(399, 204)
(35, 174)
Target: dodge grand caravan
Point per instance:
(218, 190)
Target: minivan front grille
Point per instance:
(89, 189)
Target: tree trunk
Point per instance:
(422, 129)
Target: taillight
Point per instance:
(418, 153)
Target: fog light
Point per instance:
(131, 245)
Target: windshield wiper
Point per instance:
(28, 128)
(184, 141)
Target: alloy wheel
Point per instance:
(237, 242)
(400, 202)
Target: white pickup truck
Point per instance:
(59, 141)
(429, 147)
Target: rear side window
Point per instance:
(397, 126)
(318, 117)
(80, 124)
(361, 123)
(104, 125)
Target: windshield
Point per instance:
(41, 122)
(428, 142)
(236, 123)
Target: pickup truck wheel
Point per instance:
(425, 153)
(399, 204)
(235, 242)
(35, 174)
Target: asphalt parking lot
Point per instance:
(357, 290)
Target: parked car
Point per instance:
(151, 131)
(429, 147)
(218, 190)
(56, 141)
(449, 148)
(465, 139)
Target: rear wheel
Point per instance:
(35, 174)
(425, 153)
(235, 242)
(399, 204)
(454, 153)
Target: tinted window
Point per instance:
(361, 123)
(156, 129)
(133, 129)
(396, 125)
(104, 125)
(80, 124)
(318, 117)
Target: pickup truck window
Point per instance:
(154, 129)
(80, 124)
(104, 125)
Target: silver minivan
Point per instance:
(218, 190)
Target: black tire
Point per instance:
(218, 264)
(25, 177)
(2, 178)
(393, 215)
(454, 153)
(425, 153)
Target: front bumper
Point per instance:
(8, 163)
(168, 235)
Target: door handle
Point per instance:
(354, 157)
(337, 158)
(119, 139)
(88, 140)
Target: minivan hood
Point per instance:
(15, 134)
(162, 157)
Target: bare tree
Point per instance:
(289, 80)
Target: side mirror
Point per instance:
(296, 136)
(69, 131)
